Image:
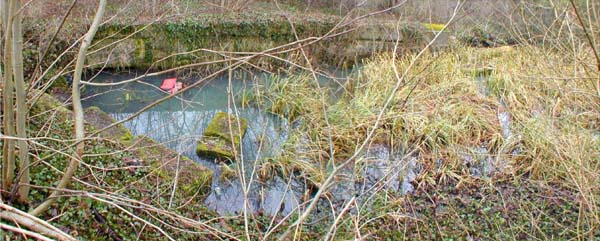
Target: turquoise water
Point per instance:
(179, 123)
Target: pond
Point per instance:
(179, 123)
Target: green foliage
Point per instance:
(235, 33)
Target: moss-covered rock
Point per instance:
(222, 137)
(227, 127)
(193, 178)
(215, 147)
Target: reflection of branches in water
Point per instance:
(179, 126)
(180, 130)
(132, 96)
(170, 128)
(266, 133)
(275, 196)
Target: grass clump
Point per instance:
(452, 120)
(290, 97)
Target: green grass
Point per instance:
(548, 189)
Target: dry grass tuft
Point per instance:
(449, 108)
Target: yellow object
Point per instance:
(434, 26)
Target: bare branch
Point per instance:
(78, 111)
(24, 219)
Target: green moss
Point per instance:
(161, 40)
(96, 117)
(136, 172)
(127, 137)
(60, 83)
(48, 103)
(227, 172)
(225, 126)
(215, 147)
(107, 30)
(148, 153)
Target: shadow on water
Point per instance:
(179, 123)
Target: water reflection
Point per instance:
(179, 123)
(180, 131)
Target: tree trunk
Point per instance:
(77, 111)
(17, 55)
(8, 157)
(2, 83)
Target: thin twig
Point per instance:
(590, 41)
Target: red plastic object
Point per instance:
(178, 86)
(168, 84)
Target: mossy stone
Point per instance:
(47, 102)
(155, 46)
(215, 147)
(226, 127)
